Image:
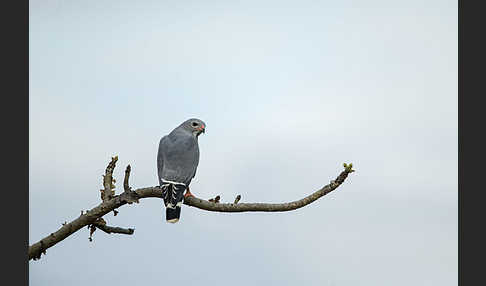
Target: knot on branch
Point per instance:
(92, 227)
(237, 199)
(215, 199)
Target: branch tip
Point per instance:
(128, 195)
(108, 181)
(348, 167)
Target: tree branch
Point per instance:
(111, 202)
(266, 207)
(108, 181)
(113, 229)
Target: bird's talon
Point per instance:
(188, 195)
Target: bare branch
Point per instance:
(126, 187)
(100, 223)
(113, 229)
(90, 217)
(266, 207)
(108, 181)
(128, 195)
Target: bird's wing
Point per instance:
(180, 158)
(196, 160)
(188, 159)
(160, 157)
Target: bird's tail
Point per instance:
(173, 195)
(172, 215)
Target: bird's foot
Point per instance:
(188, 194)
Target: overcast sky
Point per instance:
(289, 90)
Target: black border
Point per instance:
(15, 224)
(15, 135)
(471, 128)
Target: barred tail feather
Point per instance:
(172, 215)
(173, 194)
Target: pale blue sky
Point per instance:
(289, 91)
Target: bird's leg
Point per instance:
(188, 193)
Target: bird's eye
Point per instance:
(194, 124)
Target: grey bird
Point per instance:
(177, 161)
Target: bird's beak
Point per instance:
(202, 128)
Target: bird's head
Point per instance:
(195, 126)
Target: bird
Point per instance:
(177, 161)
